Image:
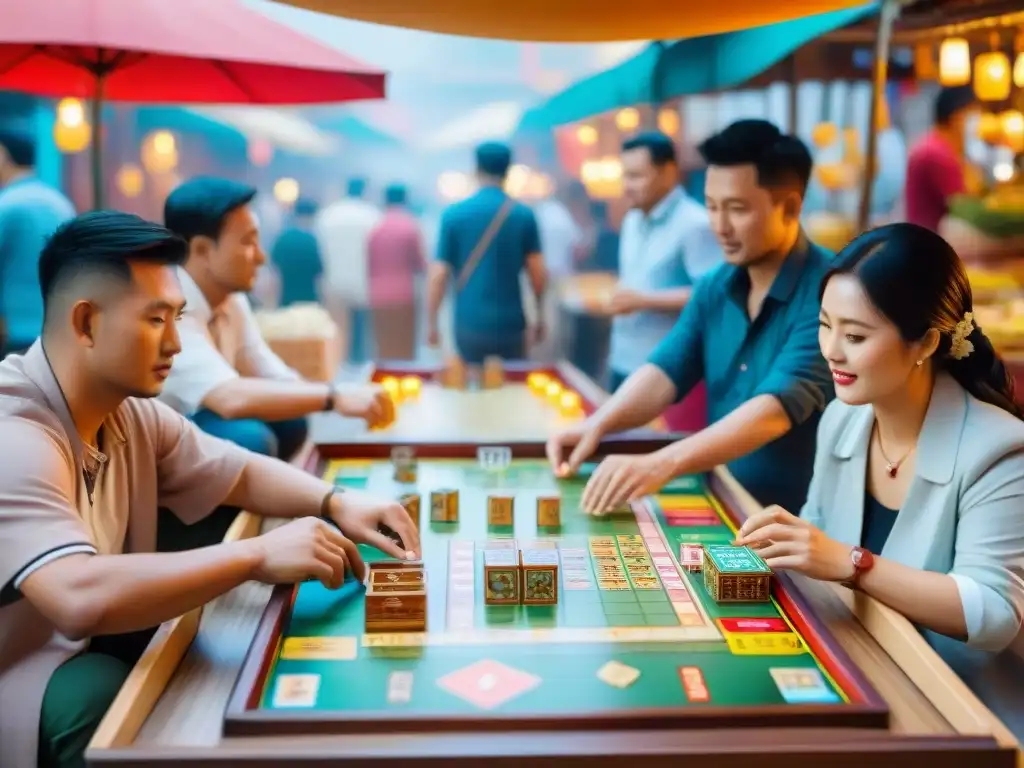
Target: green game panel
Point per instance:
(523, 677)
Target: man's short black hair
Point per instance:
(659, 146)
(952, 100)
(103, 244)
(494, 159)
(20, 145)
(198, 207)
(781, 161)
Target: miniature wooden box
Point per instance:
(501, 577)
(501, 510)
(549, 511)
(453, 375)
(736, 575)
(444, 506)
(493, 373)
(539, 576)
(396, 597)
(411, 502)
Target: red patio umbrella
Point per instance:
(169, 52)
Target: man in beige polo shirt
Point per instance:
(227, 380)
(88, 457)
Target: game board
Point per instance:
(645, 647)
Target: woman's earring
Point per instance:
(920, 362)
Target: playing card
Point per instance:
(400, 687)
(296, 690)
(802, 685)
(618, 675)
(320, 648)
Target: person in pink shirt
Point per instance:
(395, 258)
(935, 168)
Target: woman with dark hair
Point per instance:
(917, 497)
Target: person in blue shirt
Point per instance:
(750, 331)
(296, 256)
(486, 242)
(30, 211)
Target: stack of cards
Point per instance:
(611, 574)
(618, 675)
(638, 562)
(400, 687)
(576, 574)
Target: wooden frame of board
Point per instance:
(971, 734)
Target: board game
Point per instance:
(525, 403)
(631, 637)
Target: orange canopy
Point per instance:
(575, 20)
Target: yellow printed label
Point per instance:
(320, 648)
(764, 643)
(683, 502)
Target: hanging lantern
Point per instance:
(924, 62)
(1013, 129)
(286, 191)
(668, 122)
(990, 128)
(129, 180)
(71, 132)
(954, 61)
(1018, 70)
(992, 76)
(160, 152)
(586, 135)
(627, 119)
(824, 135)
(71, 138)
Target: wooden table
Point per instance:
(171, 709)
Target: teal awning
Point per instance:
(667, 70)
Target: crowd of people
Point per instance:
(852, 394)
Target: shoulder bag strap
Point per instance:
(483, 244)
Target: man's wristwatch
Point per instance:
(863, 560)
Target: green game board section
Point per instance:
(563, 675)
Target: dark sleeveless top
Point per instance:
(878, 522)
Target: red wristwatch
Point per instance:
(863, 561)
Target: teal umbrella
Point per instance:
(666, 70)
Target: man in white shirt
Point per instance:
(560, 236)
(343, 233)
(226, 379)
(666, 245)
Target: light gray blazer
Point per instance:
(964, 511)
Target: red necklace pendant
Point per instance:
(892, 469)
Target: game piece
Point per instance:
(569, 404)
(501, 577)
(396, 597)
(736, 575)
(453, 375)
(494, 458)
(691, 557)
(537, 382)
(500, 510)
(553, 392)
(410, 386)
(549, 511)
(540, 576)
(319, 648)
(411, 502)
(619, 675)
(493, 373)
(444, 506)
(403, 463)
